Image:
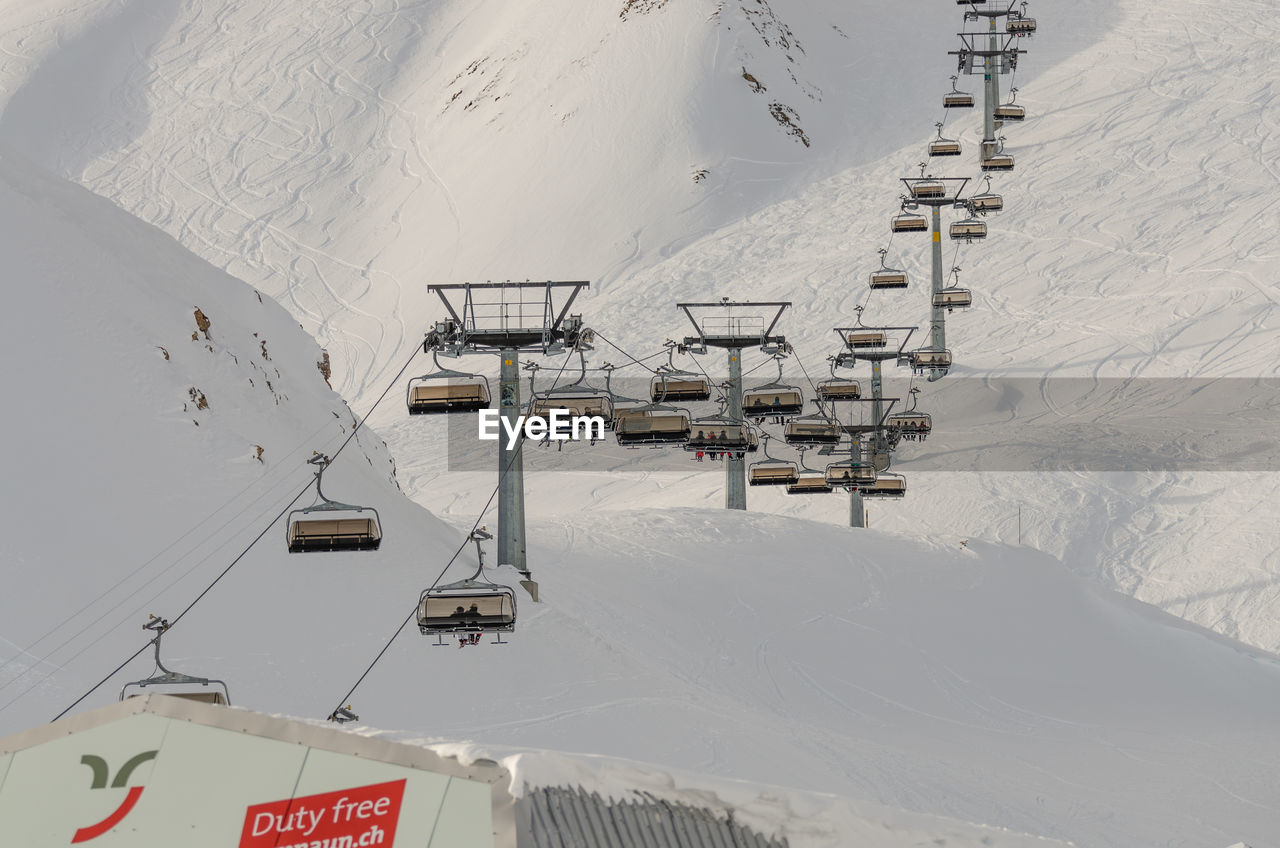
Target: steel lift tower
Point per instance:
(935, 192)
(508, 319)
(997, 56)
(735, 326)
(873, 345)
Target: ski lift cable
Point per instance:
(488, 503)
(635, 361)
(394, 381)
(201, 543)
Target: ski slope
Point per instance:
(325, 160)
(343, 160)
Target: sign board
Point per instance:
(163, 771)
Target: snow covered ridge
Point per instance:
(173, 409)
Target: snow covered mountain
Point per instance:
(340, 160)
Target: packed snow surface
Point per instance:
(340, 160)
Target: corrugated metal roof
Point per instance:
(570, 817)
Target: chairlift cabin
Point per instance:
(859, 339)
(927, 189)
(577, 403)
(809, 483)
(998, 162)
(986, 202)
(943, 146)
(772, 472)
(956, 99)
(953, 298)
(660, 425)
(925, 359)
(772, 399)
(838, 389)
(850, 474)
(909, 222)
(682, 386)
(885, 486)
(447, 391)
(718, 433)
(1009, 112)
(887, 278)
(173, 683)
(1020, 26)
(911, 426)
(970, 229)
(812, 430)
(468, 606)
(330, 525)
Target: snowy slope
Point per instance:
(325, 159)
(135, 476)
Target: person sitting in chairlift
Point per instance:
(458, 613)
(475, 610)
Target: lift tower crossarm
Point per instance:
(736, 339)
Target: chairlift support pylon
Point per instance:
(509, 319)
(330, 525)
(175, 683)
(735, 326)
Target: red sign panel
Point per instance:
(364, 817)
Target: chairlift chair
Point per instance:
(674, 384)
(773, 399)
(968, 230)
(470, 606)
(953, 298)
(956, 99)
(1010, 111)
(652, 424)
(330, 525)
(885, 277)
(887, 485)
(174, 683)
(718, 433)
(861, 339)
(816, 429)
(943, 146)
(911, 424)
(1022, 26)
(929, 359)
(850, 474)
(908, 222)
(986, 201)
(928, 189)
(839, 389)
(445, 390)
(577, 399)
(998, 162)
(772, 472)
(809, 483)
